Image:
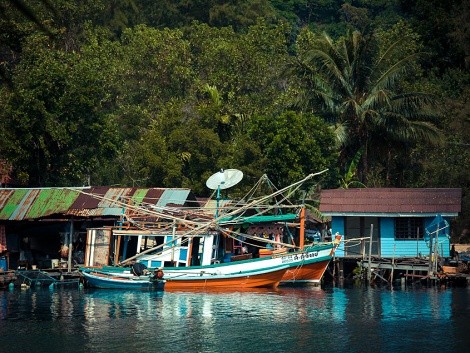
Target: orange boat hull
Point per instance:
(311, 273)
(265, 280)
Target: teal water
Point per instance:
(286, 320)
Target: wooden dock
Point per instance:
(411, 270)
(399, 271)
(38, 278)
(41, 278)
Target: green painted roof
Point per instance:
(19, 204)
(27, 204)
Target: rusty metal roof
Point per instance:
(391, 201)
(23, 204)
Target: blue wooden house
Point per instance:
(401, 222)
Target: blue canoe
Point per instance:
(98, 279)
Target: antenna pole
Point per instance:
(217, 204)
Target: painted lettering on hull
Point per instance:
(299, 257)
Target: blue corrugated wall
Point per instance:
(337, 226)
(389, 246)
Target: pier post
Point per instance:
(369, 273)
(69, 259)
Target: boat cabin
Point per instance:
(232, 239)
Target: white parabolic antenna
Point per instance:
(224, 179)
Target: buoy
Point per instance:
(159, 273)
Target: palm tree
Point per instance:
(357, 87)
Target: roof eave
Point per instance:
(390, 215)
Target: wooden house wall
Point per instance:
(337, 226)
(391, 247)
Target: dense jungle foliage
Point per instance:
(165, 93)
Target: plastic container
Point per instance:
(265, 252)
(3, 263)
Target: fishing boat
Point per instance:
(298, 267)
(264, 278)
(256, 244)
(108, 280)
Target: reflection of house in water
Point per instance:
(38, 226)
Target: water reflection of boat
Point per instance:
(226, 290)
(107, 280)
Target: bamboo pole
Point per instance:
(69, 260)
(430, 254)
(173, 234)
(369, 273)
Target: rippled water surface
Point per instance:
(286, 320)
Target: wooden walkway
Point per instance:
(410, 269)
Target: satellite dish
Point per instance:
(224, 179)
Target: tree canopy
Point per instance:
(357, 84)
(145, 93)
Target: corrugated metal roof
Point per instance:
(391, 200)
(173, 197)
(19, 204)
(152, 196)
(22, 204)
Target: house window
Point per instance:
(409, 228)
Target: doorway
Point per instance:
(360, 227)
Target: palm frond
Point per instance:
(387, 55)
(213, 94)
(400, 128)
(391, 75)
(328, 67)
(342, 135)
(349, 178)
(378, 99)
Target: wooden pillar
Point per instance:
(69, 260)
(302, 228)
(116, 250)
(341, 270)
(369, 273)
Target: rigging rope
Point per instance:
(202, 226)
